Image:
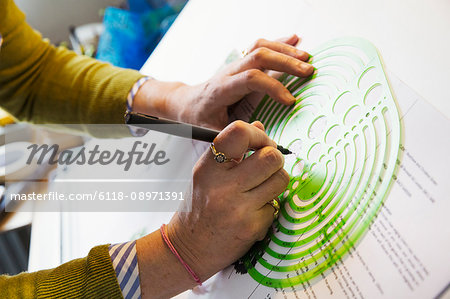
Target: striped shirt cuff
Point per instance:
(124, 260)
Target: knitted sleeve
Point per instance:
(45, 84)
(89, 277)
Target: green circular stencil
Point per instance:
(344, 131)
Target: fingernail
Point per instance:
(301, 55)
(310, 58)
(290, 99)
(311, 68)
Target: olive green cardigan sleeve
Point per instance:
(44, 84)
(89, 277)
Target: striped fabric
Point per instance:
(133, 92)
(124, 260)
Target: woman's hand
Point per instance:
(207, 104)
(230, 211)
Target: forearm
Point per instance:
(90, 277)
(44, 84)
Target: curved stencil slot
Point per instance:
(314, 152)
(333, 134)
(373, 95)
(297, 169)
(322, 89)
(343, 102)
(368, 78)
(355, 51)
(349, 60)
(315, 99)
(352, 116)
(317, 127)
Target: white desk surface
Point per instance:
(411, 35)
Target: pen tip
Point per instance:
(283, 150)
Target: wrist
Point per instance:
(189, 244)
(161, 273)
(185, 250)
(161, 99)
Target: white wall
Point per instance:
(53, 17)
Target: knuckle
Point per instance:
(259, 43)
(238, 128)
(271, 156)
(213, 88)
(288, 60)
(252, 75)
(259, 54)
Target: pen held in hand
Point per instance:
(198, 133)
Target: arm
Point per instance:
(47, 84)
(225, 221)
(44, 84)
(90, 277)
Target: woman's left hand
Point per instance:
(207, 104)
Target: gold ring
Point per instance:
(218, 156)
(276, 205)
(244, 53)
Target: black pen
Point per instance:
(198, 133)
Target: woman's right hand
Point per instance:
(230, 211)
(229, 200)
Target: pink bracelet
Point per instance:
(174, 251)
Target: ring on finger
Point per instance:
(245, 53)
(276, 205)
(218, 156)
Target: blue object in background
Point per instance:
(131, 35)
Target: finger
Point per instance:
(235, 140)
(270, 188)
(259, 167)
(292, 40)
(258, 124)
(268, 59)
(281, 47)
(265, 218)
(255, 80)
